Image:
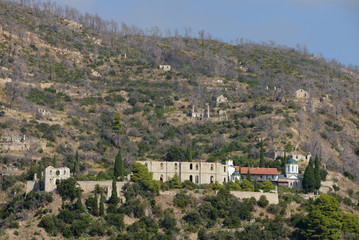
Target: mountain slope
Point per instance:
(63, 81)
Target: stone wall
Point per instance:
(32, 186)
(272, 197)
(89, 186)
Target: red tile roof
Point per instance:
(237, 168)
(258, 171)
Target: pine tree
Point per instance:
(248, 177)
(309, 178)
(317, 173)
(176, 182)
(118, 170)
(117, 125)
(261, 160)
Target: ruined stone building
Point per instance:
(165, 67)
(300, 93)
(196, 172)
(295, 155)
(43, 112)
(221, 99)
(200, 114)
(52, 175)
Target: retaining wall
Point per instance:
(272, 197)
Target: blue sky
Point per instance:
(327, 27)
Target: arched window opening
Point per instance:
(211, 167)
(224, 169)
(191, 166)
(211, 179)
(175, 165)
(197, 166)
(197, 179)
(161, 178)
(190, 178)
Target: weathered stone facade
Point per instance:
(197, 172)
(300, 93)
(51, 175)
(201, 114)
(165, 67)
(221, 99)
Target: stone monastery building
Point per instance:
(206, 172)
(197, 172)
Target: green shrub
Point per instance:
(193, 218)
(347, 201)
(47, 223)
(273, 208)
(67, 216)
(263, 201)
(181, 200)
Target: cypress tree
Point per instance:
(102, 207)
(317, 173)
(248, 177)
(118, 171)
(309, 178)
(78, 204)
(95, 208)
(189, 154)
(54, 162)
(114, 198)
(261, 159)
(77, 165)
(256, 188)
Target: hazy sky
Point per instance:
(330, 27)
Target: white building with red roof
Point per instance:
(259, 174)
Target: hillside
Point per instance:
(66, 78)
(64, 81)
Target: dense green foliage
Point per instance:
(144, 178)
(119, 169)
(326, 221)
